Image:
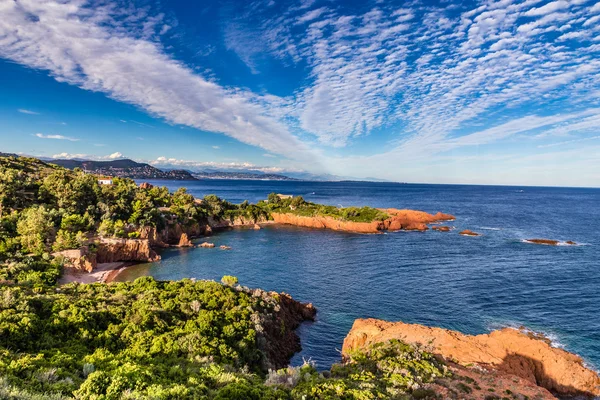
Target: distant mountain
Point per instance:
(241, 176)
(125, 168)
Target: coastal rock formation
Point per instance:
(278, 338)
(184, 241)
(146, 185)
(549, 242)
(441, 228)
(223, 247)
(399, 220)
(80, 259)
(508, 351)
(207, 245)
(468, 232)
(113, 250)
(256, 227)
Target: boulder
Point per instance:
(207, 245)
(184, 241)
(441, 228)
(256, 227)
(146, 185)
(223, 247)
(468, 232)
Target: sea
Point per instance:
(470, 284)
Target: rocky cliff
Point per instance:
(398, 220)
(507, 351)
(276, 331)
(113, 250)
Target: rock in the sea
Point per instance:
(256, 227)
(468, 232)
(207, 245)
(146, 185)
(184, 241)
(223, 247)
(441, 228)
(549, 242)
(507, 351)
(208, 230)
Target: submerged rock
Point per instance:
(549, 242)
(223, 247)
(207, 245)
(441, 228)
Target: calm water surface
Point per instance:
(471, 284)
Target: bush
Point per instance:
(133, 235)
(229, 280)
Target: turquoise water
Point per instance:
(471, 284)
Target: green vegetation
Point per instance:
(298, 206)
(149, 339)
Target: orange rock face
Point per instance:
(399, 220)
(113, 250)
(508, 351)
(184, 241)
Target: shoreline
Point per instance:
(103, 273)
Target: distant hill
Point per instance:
(125, 168)
(241, 176)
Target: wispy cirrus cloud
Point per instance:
(99, 47)
(56, 137)
(426, 71)
(28, 112)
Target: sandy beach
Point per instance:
(104, 273)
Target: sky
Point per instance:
(487, 92)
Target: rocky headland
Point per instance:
(409, 220)
(519, 359)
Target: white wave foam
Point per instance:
(487, 228)
(552, 337)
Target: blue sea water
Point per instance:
(470, 284)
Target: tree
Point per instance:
(297, 201)
(273, 198)
(74, 193)
(35, 228)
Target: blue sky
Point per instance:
(502, 92)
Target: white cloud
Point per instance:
(216, 147)
(69, 156)
(29, 112)
(56, 137)
(226, 166)
(91, 48)
(548, 8)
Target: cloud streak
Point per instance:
(93, 48)
(56, 137)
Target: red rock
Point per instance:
(184, 241)
(146, 185)
(507, 351)
(468, 232)
(207, 245)
(441, 228)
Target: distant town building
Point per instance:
(105, 181)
